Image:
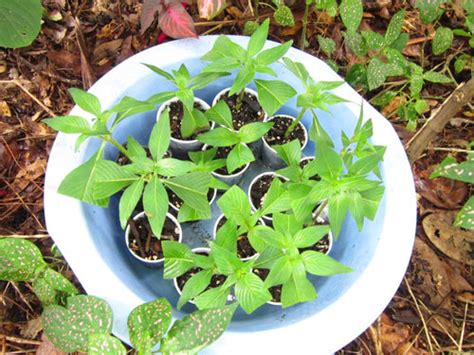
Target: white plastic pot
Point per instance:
(180, 147)
(379, 253)
(151, 263)
(269, 155)
(231, 179)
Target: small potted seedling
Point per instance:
(144, 245)
(259, 189)
(187, 117)
(247, 106)
(288, 259)
(237, 233)
(231, 143)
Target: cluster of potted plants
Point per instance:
(267, 241)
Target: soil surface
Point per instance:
(321, 246)
(260, 188)
(276, 135)
(222, 153)
(144, 244)
(249, 111)
(275, 290)
(244, 248)
(176, 117)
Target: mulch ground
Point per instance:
(433, 308)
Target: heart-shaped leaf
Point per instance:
(19, 259)
(176, 22)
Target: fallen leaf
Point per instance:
(393, 105)
(392, 336)
(106, 50)
(47, 348)
(457, 282)
(29, 173)
(32, 328)
(428, 276)
(234, 12)
(291, 31)
(149, 10)
(452, 241)
(65, 60)
(5, 109)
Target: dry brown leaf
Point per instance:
(29, 173)
(32, 328)
(234, 12)
(5, 109)
(65, 60)
(106, 50)
(392, 336)
(47, 348)
(428, 276)
(466, 297)
(452, 241)
(412, 51)
(393, 105)
(291, 31)
(457, 282)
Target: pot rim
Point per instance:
(293, 118)
(175, 99)
(249, 190)
(140, 215)
(246, 166)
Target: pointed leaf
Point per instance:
(129, 201)
(178, 259)
(273, 94)
(19, 259)
(105, 344)
(88, 102)
(160, 136)
(257, 40)
(191, 188)
(351, 14)
(111, 178)
(194, 286)
(155, 204)
(250, 292)
(176, 22)
(239, 156)
(322, 265)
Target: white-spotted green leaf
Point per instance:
(442, 40)
(250, 292)
(88, 102)
(148, 323)
(351, 14)
(376, 73)
(155, 204)
(451, 169)
(394, 27)
(322, 265)
(273, 94)
(284, 16)
(374, 40)
(105, 344)
(197, 330)
(436, 77)
(327, 45)
(20, 259)
(69, 328)
(465, 217)
(355, 42)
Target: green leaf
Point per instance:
(194, 286)
(235, 205)
(297, 69)
(186, 97)
(286, 224)
(309, 236)
(436, 77)
(442, 40)
(251, 293)
(250, 27)
(69, 328)
(290, 152)
(280, 272)
(376, 74)
(128, 106)
(243, 78)
(271, 55)
(224, 64)
(160, 72)
(192, 121)
(212, 298)
(367, 163)
(111, 178)
(464, 218)
(351, 14)
(19, 259)
(105, 344)
(284, 16)
(357, 75)
(269, 236)
(322, 265)
(189, 214)
(224, 47)
(135, 149)
(80, 182)
(88, 102)
(148, 323)
(129, 201)
(356, 43)
(69, 124)
(45, 292)
(374, 40)
(197, 330)
(160, 97)
(155, 204)
(178, 259)
(451, 169)
(257, 40)
(220, 114)
(421, 106)
(226, 262)
(239, 156)
(253, 131)
(202, 80)
(400, 43)
(173, 167)
(416, 84)
(277, 199)
(298, 288)
(219, 137)
(272, 94)
(461, 62)
(327, 45)
(20, 22)
(337, 207)
(394, 28)
(58, 282)
(429, 10)
(160, 136)
(327, 162)
(192, 189)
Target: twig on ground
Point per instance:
(34, 236)
(20, 340)
(33, 97)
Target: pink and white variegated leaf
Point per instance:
(176, 22)
(209, 9)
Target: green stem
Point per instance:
(320, 210)
(305, 24)
(240, 99)
(294, 123)
(117, 145)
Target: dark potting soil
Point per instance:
(244, 248)
(260, 188)
(249, 111)
(321, 246)
(176, 201)
(274, 290)
(176, 117)
(305, 162)
(143, 242)
(276, 135)
(222, 153)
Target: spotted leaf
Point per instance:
(19, 259)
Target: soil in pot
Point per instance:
(305, 162)
(249, 111)
(321, 246)
(143, 243)
(176, 117)
(276, 135)
(260, 188)
(275, 291)
(177, 202)
(222, 153)
(244, 249)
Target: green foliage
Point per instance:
(442, 40)
(20, 22)
(351, 14)
(430, 10)
(250, 27)
(283, 16)
(327, 45)
(105, 344)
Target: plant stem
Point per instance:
(240, 99)
(117, 145)
(295, 122)
(320, 210)
(305, 24)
